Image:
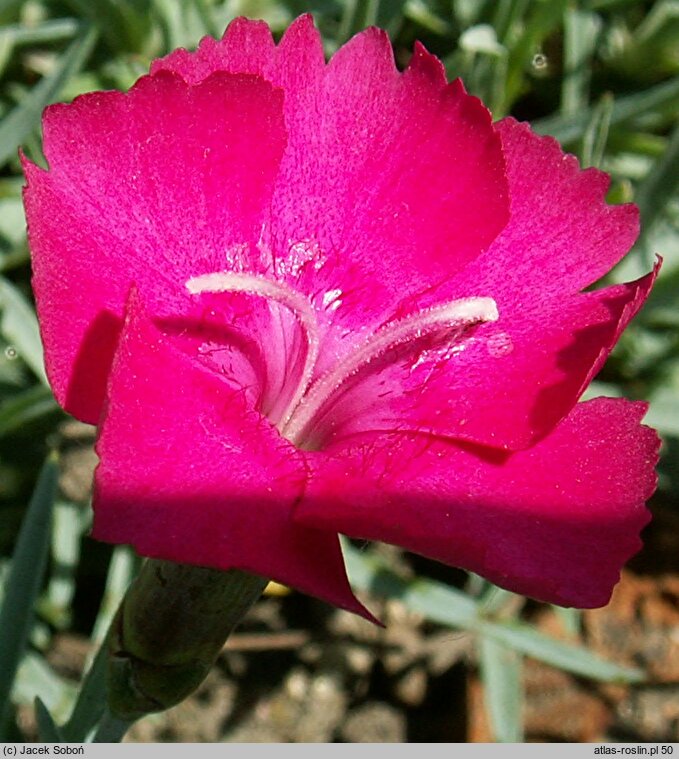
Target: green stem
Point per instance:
(111, 729)
(91, 703)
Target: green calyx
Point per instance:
(169, 631)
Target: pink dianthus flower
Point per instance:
(302, 299)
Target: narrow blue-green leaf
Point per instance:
(370, 574)
(207, 18)
(24, 580)
(371, 10)
(424, 596)
(497, 601)
(91, 701)
(24, 117)
(448, 606)
(6, 50)
(661, 183)
(111, 729)
(49, 31)
(581, 29)
(596, 135)
(48, 732)
(171, 21)
(69, 526)
(501, 675)
(19, 325)
(466, 12)
(122, 569)
(423, 14)
(659, 19)
(540, 21)
(569, 129)
(358, 15)
(571, 658)
(571, 619)
(348, 22)
(25, 407)
(121, 24)
(12, 222)
(508, 18)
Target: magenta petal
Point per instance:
(523, 373)
(390, 181)
(184, 192)
(393, 181)
(506, 386)
(189, 474)
(555, 522)
(562, 235)
(248, 47)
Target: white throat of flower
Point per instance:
(310, 396)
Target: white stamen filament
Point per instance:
(309, 397)
(253, 284)
(464, 314)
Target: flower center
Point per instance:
(312, 397)
(253, 284)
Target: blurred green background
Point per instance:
(601, 76)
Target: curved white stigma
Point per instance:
(458, 314)
(299, 305)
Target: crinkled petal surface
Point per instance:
(519, 376)
(562, 236)
(507, 385)
(555, 522)
(183, 192)
(390, 181)
(189, 474)
(353, 182)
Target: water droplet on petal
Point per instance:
(540, 61)
(11, 353)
